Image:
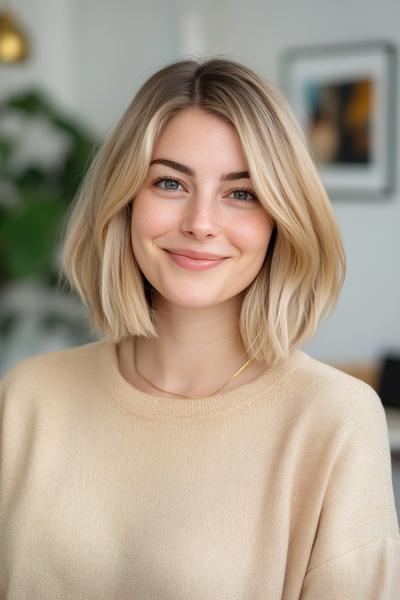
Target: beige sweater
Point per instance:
(279, 489)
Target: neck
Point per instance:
(196, 349)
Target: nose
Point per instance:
(201, 219)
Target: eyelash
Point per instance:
(157, 180)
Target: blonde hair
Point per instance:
(304, 267)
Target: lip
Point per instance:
(195, 254)
(194, 264)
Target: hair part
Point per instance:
(304, 267)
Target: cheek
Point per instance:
(149, 220)
(253, 234)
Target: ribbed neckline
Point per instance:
(148, 404)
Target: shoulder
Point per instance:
(327, 388)
(50, 370)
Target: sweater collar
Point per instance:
(141, 402)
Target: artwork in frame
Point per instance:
(344, 97)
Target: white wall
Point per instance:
(93, 55)
(117, 46)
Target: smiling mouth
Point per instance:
(188, 262)
(195, 257)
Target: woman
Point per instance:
(195, 451)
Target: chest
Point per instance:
(203, 517)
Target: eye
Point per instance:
(168, 188)
(243, 192)
(176, 183)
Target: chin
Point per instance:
(188, 299)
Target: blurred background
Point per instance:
(69, 69)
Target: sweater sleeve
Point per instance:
(370, 572)
(356, 549)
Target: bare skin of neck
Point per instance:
(197, 351)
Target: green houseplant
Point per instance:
(34, 198)
(38, 195)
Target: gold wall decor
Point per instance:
(14, 46)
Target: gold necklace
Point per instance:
(181, 395)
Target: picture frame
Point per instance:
(343, 95)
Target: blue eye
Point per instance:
(174, 188)
(244, 191)
(176, 183)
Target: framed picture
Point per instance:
(344, 97)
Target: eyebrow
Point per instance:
(188, 171)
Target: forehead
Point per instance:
(199, 137)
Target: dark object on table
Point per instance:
(389, 383)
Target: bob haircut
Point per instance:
(304, 266)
